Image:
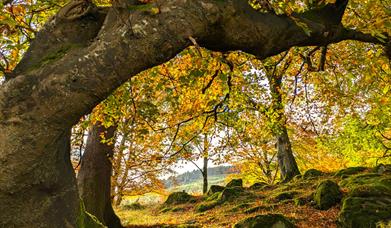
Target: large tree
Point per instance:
(84, 53)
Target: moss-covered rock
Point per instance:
(133, 206)
(215, 188)
(265, 221)
(368, 201)
(327, 194)
(350, 171)
(179, 198)
(235, 183)
(312, 173)
(258, 186)
(303, 200)
(282, 196)
(365, 179)
(212, 197)
(229, 194)
(207, 206)
(364, 212)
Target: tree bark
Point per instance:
(94, 177)
(286, 160)
(205, 176)
(64, 75)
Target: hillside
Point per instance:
(355, 197)
(191, 181)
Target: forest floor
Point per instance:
(294, 200)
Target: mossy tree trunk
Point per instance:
(64, 75)
(94, 177)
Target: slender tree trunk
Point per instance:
(286, 160)
(205, 176)
(94, 177)
(117, 170)
(205, 155)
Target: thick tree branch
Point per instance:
(120, 50)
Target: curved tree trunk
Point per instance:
(64, 75)
(94, 177)
(37, 182)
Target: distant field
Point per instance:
(195, 188)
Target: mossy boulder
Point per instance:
(214, 196)
(366, 179)
(207, 206)
(265, 221)
(312, 173)
(364, 212)
(134, 206)
(368, 201)
(235, 183)
(229, 194)
(179, 198)
(258, 186)
(282, 196)
(215, 188)
(350, 171)
(304, 199)
(327, 194)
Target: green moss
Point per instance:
(312, 173)
(165, 210)
(282, 196)
(207, 206)
(54, 55)
(369, 179)
(142, 7)
(364, 212)
(258, 186)
(214, 196)
(87, 220)
(229, 194)
(178, 198)
(240, 207)
(133, 206)
(235, 183)
(215, 189)
(265, 221)
(327, 195)
(350, 171)
(368, 201)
